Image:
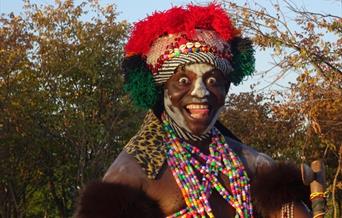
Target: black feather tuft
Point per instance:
(243, 61)
(109, 200)
(278, 185)
(131, 63)
(139, 82)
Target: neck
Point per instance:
(186, 135)
(202, 145)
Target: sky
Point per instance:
(134, 10)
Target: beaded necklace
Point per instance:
(287, 210)
(183, 159)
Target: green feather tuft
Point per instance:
(141, 88)
(243, 61)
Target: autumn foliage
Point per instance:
(64, 116)
(304, 122)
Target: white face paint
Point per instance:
(199, 92)
(174, 112)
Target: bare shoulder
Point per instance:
(253, 160)
(125, 170)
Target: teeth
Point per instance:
(197, 106)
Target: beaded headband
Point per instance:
(169, 52)
(183, 35)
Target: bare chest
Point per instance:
(166, 191)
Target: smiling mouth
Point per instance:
(198, 111)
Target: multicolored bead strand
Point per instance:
(287, 210)
(185, 177)
(185, 160)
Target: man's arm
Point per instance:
(278, 191)
(273, 183)
(119, 194)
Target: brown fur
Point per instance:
(280, 184)
(109, 200)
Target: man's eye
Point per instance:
(211, 81)
(183, 80)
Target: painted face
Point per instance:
(194, 96)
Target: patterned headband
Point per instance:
(169, 52)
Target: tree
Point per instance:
(64, 116)
(253, 119)
(310, 45)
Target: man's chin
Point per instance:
(197, 123)
(198, 131)
(198, 126)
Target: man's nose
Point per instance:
(199, 90)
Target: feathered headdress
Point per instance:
(183, 35)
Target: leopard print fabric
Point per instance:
(147, 146)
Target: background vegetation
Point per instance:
(64, 116)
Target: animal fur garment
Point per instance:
(109, 200)
(278, 185)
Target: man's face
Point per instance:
(194, 96)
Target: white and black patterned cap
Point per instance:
(169, 52)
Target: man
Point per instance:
(183, 162)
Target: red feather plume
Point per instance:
(179, 19)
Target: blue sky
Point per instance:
(134, 10)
